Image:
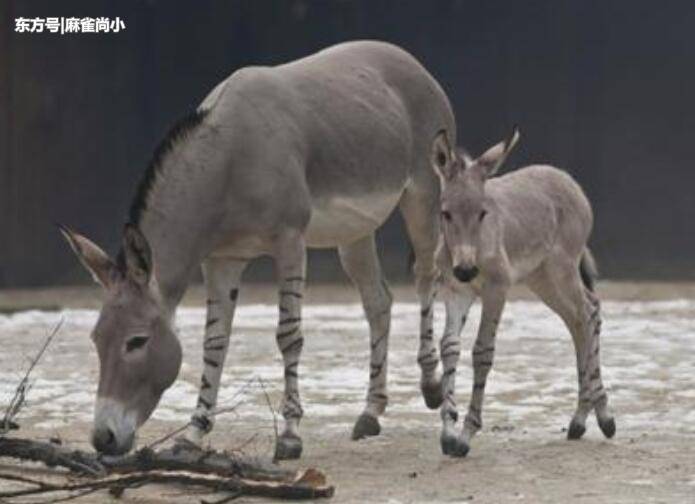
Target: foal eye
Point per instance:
(482, 215)
(135, 342)
(446, 215)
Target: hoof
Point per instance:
(576, 430)
(454, 446)
(288, 448)
(365, 426)
(607, 426)
(432, 393)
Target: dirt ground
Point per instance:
(521, 455)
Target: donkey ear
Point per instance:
(441, 157)
(137, 254)
(93, 258)
(495, 156)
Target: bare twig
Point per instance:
(213, 413)
(270, 406)
(22, 390)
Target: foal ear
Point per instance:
(495, 156)
(442, 157)
(93, 258)
(137, 255)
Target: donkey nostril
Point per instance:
(104, 440)
(110, 438)
(465, 274)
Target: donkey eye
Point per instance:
(135, 342)
(446, 215)
(482, 215)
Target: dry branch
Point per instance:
(18, 400)
(183, 465)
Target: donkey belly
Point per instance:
(340, 220)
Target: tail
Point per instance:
(587, 269)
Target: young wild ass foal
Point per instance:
(530, 226)
(314, 153)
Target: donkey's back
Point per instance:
(542, 207)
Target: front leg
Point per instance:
(222, 280)
(291, 270)
(493, 297)
(458, 303)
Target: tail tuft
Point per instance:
(588, 269)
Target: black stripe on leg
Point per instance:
(481, 351)
(290, 320)
(210, 322)
(299, 342)
(479, 385)
(205, 404)
(234, 295)
(285, 334)
(425, 311)
(204, 383)
(449, 372)
(215, 338)
(483, 364)
(294, 279)
(201, 422)
(378, 341)
(448, 344)
(451, 353)
(376, 369)
(297, 295)
(211, 362)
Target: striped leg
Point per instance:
(594, 394)
(483, 353)
(420, 209)
(222, 280)
(458, 304)
(361, 263)
(427, 359)
(560, 287)
(291, 270)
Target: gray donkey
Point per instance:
(314, 153)
(530, 226)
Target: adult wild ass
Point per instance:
(314, 153)
(530, 226)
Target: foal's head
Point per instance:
(139, 353)
(468, 227)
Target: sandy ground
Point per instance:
(520, 456)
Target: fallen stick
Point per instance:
(182, 464)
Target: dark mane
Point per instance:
(180, 129)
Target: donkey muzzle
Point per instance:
(465, 274)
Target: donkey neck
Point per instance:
(173, 207)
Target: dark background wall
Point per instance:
(603, 88)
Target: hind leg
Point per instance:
(559, 285)
(420, 212)
(599, 398)
(361, 263)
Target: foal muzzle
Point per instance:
(465, 274)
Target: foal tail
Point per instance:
(587, 269)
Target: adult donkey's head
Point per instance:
(469, 232)
(139, 353)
